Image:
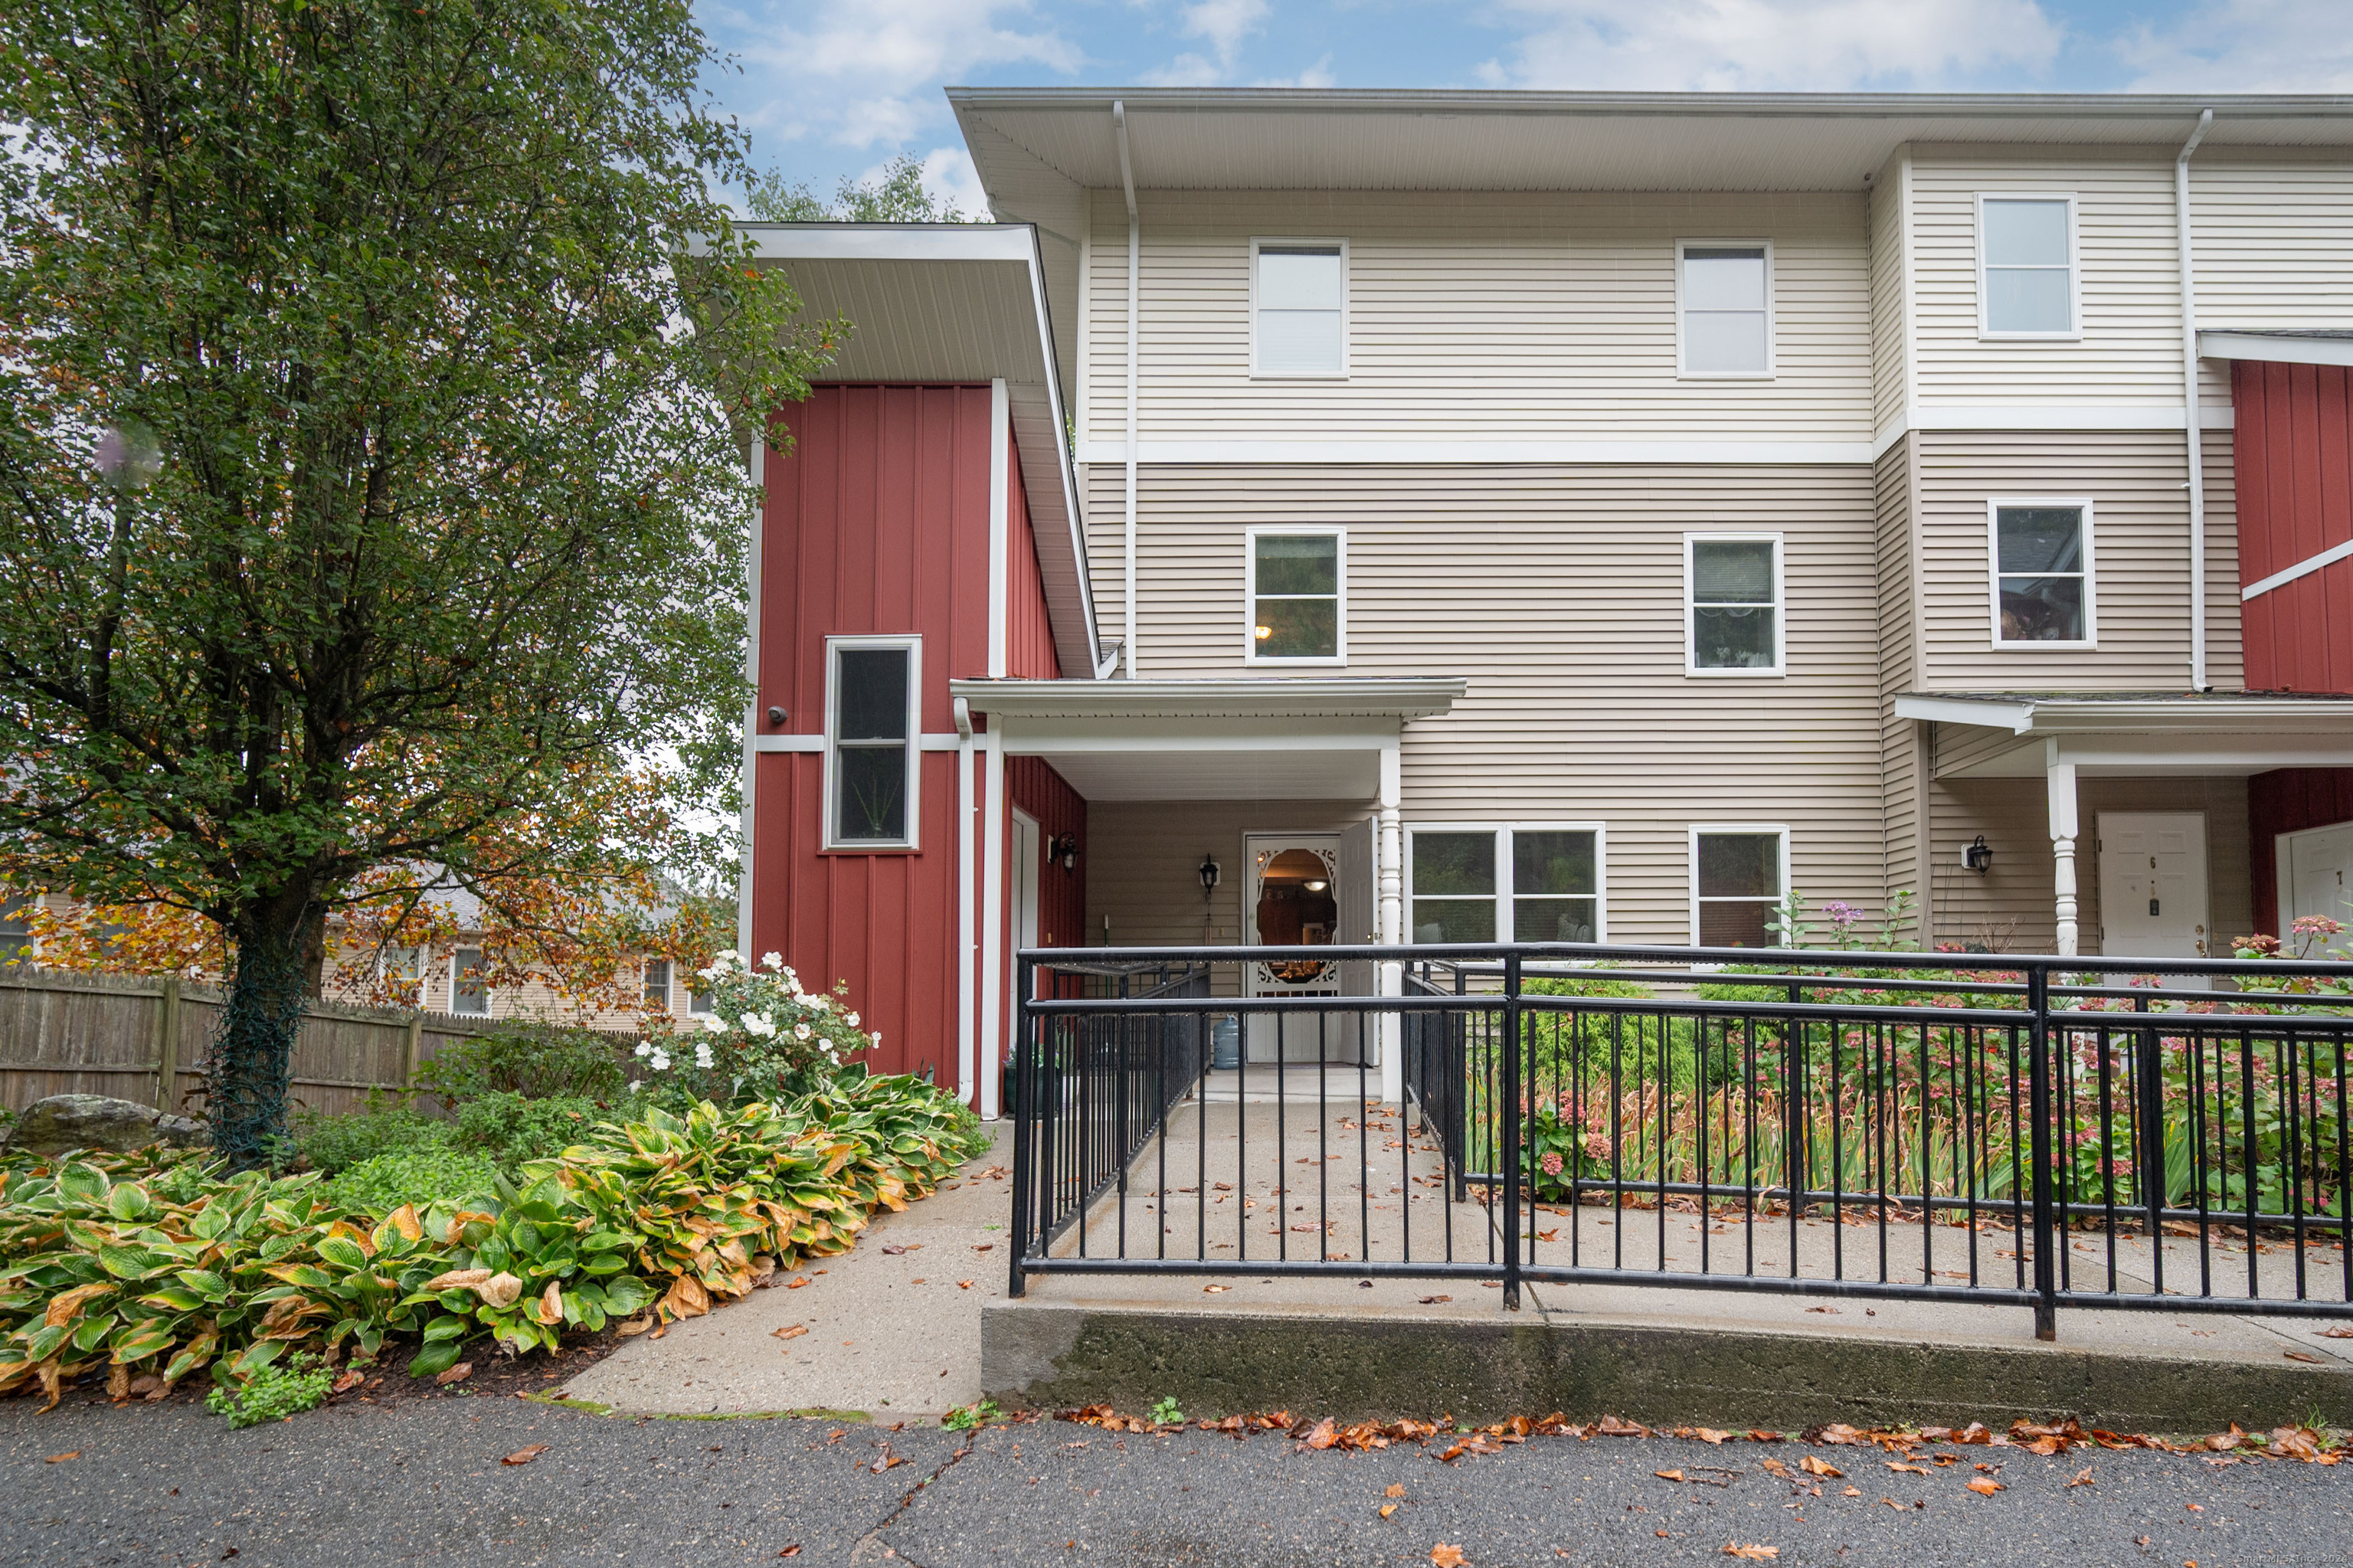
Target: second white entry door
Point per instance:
(2153, 884)
(2319, 881)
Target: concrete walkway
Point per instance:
(892, 1330)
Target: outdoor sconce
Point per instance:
(1208, 874)
(777, 715)
(1064, 849)
(1977, 857)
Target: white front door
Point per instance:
(1027, 853)
(2318, 863)
(1294, 900)
(2153, 884)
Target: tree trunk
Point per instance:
(252, 1059)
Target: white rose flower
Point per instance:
(802, 1032)
(644, 1049)
(633, 1085)
(757, 1025)
(701, 1055)
(662, 1061)
(851, 1021)
(773, 960)
(714, 1023)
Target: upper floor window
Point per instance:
(1298, 596)
(1299, 307)
(469, 985)
(2042, 573)
(1732, 623)
(1506, 883)
(1725, 289)
(2026, 266)
(1737, 874)
(871, 757)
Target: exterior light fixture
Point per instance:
(1977, 857)
(776, 715)
(1210, 875)
(1317, 886)
(1064, 849)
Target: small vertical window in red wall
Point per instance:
(870, 751)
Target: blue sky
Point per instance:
(835, 87)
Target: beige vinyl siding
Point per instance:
(1557, 593)
(2274, 238)
(1490, 316)
(2010, 907)
(2140, 558)
(1888, 313)
(2128, 277)
(1963, 747)
(1144, 860)
(1899, 742)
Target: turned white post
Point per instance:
(2059, 780)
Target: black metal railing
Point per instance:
(2031, 1131)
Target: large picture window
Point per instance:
(1298, 596)
(1725, 289)
(1506, 883)
(1732, 622)
(1299, 308)
(2026, 266)
(870, 752)
(2041, 557)
(1737, 875)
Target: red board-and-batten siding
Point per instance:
(2294, 446)
(877, 522)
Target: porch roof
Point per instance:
(2018, 734)
(1266, 739)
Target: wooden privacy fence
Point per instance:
(63, 1032)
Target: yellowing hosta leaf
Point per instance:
(67, 1307)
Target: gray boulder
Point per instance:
(63, 1122)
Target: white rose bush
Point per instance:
(765, 1037)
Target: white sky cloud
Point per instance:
(2246, 45)
(1225, 25)
(1768, 45)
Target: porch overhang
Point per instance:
(1304, 740)
(2011, 734)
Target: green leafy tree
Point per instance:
(899, 196)
(376, 376)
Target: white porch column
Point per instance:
(2059, 777)
(1388, 860)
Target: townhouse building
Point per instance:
(1326, 516)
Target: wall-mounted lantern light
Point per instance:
(1210, 875)
(1064, 849)
(1977, 857)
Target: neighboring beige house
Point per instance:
(1560, 516)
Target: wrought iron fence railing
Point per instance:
(2029, 1131)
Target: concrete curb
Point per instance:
(1387, 1365)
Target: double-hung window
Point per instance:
(1506, 883)
(1299, 308)
(2042, 559)
(872, 760)
(2027, 267)
(656, 988)
(470, 986)
(1732, 604)
(1297, 595)
(1724, 292)
(1737, 875)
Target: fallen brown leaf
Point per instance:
(1396, 1489)
(1711, 1435)
(1852, 1492)
(965, 1284)
(1908, 1470)
(1775, 1466)
(1213, 1290)
(797, 1282)
(1434, 1300)
(1755, 1553)
(348, 1381)
(2335, 1333)
(458, 1374)
(1814, 1466)
(1388, 1508)
(792, 1551)
(1985, 1486)
(1322, 1434)
(525, 1456)
(792, 1331)
(2306, 1356)
(1445, 1556)
(1668, 1475)
(2083, 1478)
(61, 1459)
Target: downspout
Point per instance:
(967, 955)
(2196, 435)
(1135, 290)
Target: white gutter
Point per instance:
(2193, 431)
(1127, 185)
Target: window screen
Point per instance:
(1739, 886)
(1295, 613)
(2029, 285)
(870, 739)
(1735, 613)
(1299, 295)
(1725, 324)
(2040, 577)
(1453, 887)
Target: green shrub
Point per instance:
(273, 1394)
(418, 1176)
(537, 1060)
(335, 1144)
(511, 1128)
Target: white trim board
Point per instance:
(2303, 568)
(2048, 417)
(2220, 343)
(1449, 450)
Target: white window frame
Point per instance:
(1257, 241)
(913, 643)
(2074, 332)
(1757, 828)
(1691, 666)
(1772, 336)
(2091, 637)
(1505, 920)
(670, 984)
(1251, 654)
(457, 969)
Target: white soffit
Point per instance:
(1202, 773)
(2277, 347)
(1337, 697)
(1026, 141)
